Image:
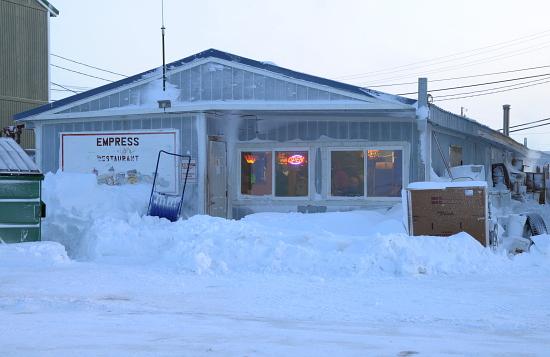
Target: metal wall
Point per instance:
(212, 82)
(292, 127)
(474, 150)
(453, 129)
(317, 132)
(187, 126)
(23, 60)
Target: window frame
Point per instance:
(456, 150)
(274, 149)
(365, 149)
(240, 156)
(324, 158)
(330, 150)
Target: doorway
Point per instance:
(217, 178)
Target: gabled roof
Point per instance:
(51, 9)
(216, 54)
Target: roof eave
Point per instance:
(51, 9)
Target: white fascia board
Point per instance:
(208, 106)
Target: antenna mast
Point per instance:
(163, 55)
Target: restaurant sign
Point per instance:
(118, 157)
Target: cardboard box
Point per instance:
(444, 211)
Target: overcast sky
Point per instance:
(343, 40)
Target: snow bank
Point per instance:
(75, 201)
(32, 255)
(107, 224)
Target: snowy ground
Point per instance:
(345, 284)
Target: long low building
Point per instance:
(262, 137)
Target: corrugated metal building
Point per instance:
(24, 53)
(262, 137)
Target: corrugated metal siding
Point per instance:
(213, 82)
(477, 150)
(293, 128)
(23, 60)
(452, 121)
(7, 109)
(187, 126)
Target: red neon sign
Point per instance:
(296, 159)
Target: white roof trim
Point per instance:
(206, 106)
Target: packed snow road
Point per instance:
(346, 284)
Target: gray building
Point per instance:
(24, 59)
(261, 137)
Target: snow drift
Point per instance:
(107, 224)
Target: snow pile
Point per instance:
(153, 92)
(107, 224)
(75, 201)
(35, 254)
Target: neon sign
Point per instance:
(249, 158)
(296, 159)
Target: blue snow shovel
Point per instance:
(168, 190)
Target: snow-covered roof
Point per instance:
(14, 160)
(285, 83)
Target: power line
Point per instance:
(542, 133)
(72, 86)
(501, 56)
(500, 44)
(87, 65)
(531, 127)
(463, 77)
(65, 88)
(493, 88)
(531, 122)
(527, 123)
(494, 92)
(481, 84)
(82, 73)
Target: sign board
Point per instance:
(192, 174)
(119, 157)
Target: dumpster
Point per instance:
(21, 207)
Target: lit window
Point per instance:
(256, 173)
(347, 173)
(291, 173)
(384, 173)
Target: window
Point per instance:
(384, 173)
(291, 173)
(256, 173)
(347, 173)
(279, 173)
(455, 155)
(354, 173)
